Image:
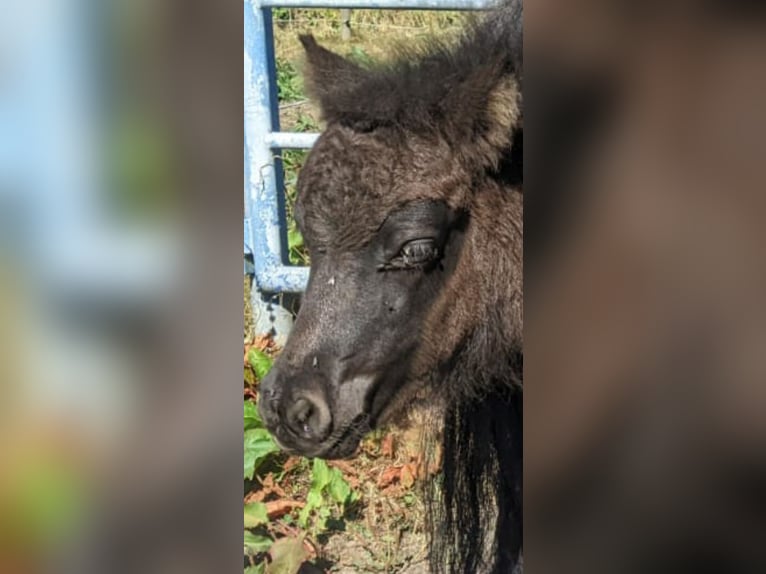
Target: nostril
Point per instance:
(303, 412)
(299, 414)
(309, 418)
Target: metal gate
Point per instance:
(265, 221)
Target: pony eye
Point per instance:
(412, 255)
(418, 252)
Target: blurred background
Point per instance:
(645, 335)
(120, 285)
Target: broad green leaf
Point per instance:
(339, 488)
(260, 362)
(303, 517)
(322, 516)
(321, 476)
(250, 379)
(258, 445)
(255, 569)
(255, 514)
(313, 500)
(287, 555)
(255, 543)
(252, 418)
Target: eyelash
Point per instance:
(414, 254)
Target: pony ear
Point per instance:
(487, 112)
(327, 75)
(504, 114)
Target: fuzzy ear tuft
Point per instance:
(327, 75)
(485, 107)
(503, 113)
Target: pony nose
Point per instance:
(309, 417)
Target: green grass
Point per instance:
(292, 161)
(289, 82)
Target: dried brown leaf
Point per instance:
(389, 476)
(278, 508)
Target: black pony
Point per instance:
(411, 206)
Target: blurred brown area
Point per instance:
(645, 259)
(171, 500)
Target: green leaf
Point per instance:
(260, 362)
(289, 82)
(321, 476)
(258, 446)
(296, 247)
(255, 569)
(287, 555)
(255, 514)
(255, 543)
(252, 418)
(339, 489)
(294, 238)
(313, 500)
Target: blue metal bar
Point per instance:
(291, 140)
(262, 201)
(383, 4)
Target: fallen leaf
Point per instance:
(287, 555)
(343, 466)
(255, 496)
(278, 508)
(264, 342)
(389, 476)
(291, 463)
(270, 487)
